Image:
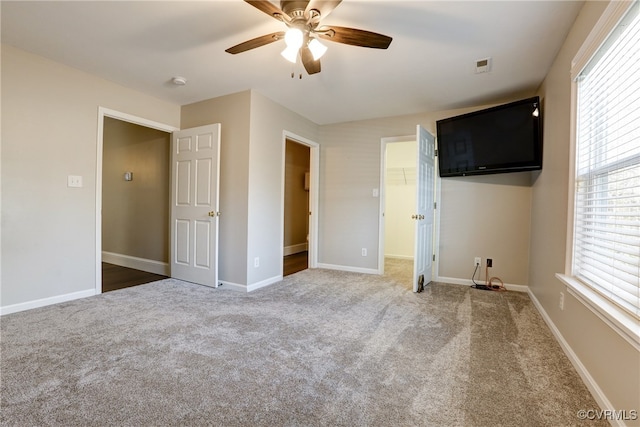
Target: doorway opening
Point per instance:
(399, 205)
(135, 200)
(421, 179)
(132, 200)
(296, 207)
(300, 176)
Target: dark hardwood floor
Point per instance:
(295, 262)
(116, 277)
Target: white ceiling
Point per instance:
(429, 66)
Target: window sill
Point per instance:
(627, 326)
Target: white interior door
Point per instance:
(195, 160)
(425, 178)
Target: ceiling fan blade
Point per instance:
(257, 42)
(312, 66)
(354, 37)
(325, 7)
(270, 9)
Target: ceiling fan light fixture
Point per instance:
(317, 49)
(303, 22)
(290, 54)
(293, 38)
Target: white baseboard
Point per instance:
(294, 249)
(148, 265)
(591, 384)
(348, 268)
(263, 283)
(469, 282)
(231, 286)
(14, 308)
(252, 287)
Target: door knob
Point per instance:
(214, 213)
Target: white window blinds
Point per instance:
(606, 252)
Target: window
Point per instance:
(606, 221)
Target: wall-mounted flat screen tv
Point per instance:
(506, 138)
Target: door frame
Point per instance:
(314, 180)
(382, 192)
(125, 117)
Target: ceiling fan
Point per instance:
(302, 17)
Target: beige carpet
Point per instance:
(321, 348)
(399, 271)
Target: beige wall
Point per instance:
(135, 214)
(296, 198)
(266, 183)
(486, 216)
(251, 191)
(613, 363)
(480, 216)
(49, 131)
(251, 181)
(233, 113)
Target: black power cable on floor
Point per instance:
(478, 285)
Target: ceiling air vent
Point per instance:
(483, 65)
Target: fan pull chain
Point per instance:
(293, 71)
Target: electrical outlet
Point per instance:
(477, 261)
(561, 302)
(489, 262)
(364, 251)
(256, 262)
(74, 181)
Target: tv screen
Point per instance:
(506, 138)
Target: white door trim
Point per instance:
(314, 180)
(436, 215)
(102, 113)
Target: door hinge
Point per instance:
(434, 257)
(435, 205)
(436, 153)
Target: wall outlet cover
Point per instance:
(74, 181)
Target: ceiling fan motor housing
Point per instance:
(294, 8)
(305, 16)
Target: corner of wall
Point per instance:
(605, 361)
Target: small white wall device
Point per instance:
(128, 176)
